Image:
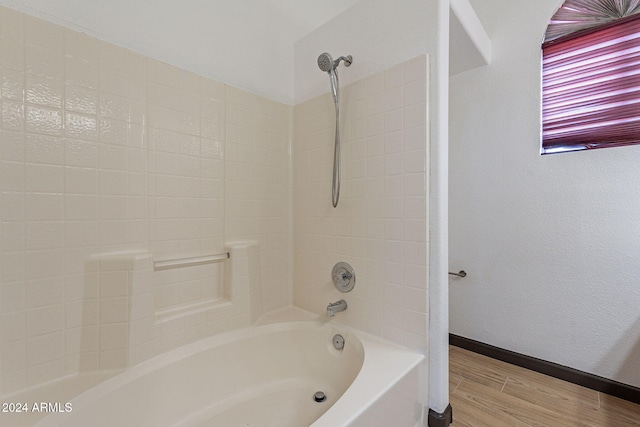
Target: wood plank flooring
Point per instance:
(491, 393)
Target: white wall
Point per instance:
(550, 243)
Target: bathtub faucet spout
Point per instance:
(335, 307)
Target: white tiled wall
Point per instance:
(380, 224)
(105, 151)
(258, 188)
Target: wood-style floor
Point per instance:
(488, 392)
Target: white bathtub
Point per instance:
(260, 376)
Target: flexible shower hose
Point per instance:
(335, 187)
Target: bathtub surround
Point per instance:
(380, 225)
(107, 153)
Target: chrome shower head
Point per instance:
(325, 62)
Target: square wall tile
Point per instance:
(42, 33)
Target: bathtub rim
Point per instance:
(389, 363)
(385, 363)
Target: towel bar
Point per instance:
(188, 262)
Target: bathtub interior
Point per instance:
(268, 371)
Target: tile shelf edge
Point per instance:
(189, 261)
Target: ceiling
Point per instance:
(246, 43)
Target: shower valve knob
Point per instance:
(343, 277)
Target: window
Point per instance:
(591, 77)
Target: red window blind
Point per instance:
(591, 88)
